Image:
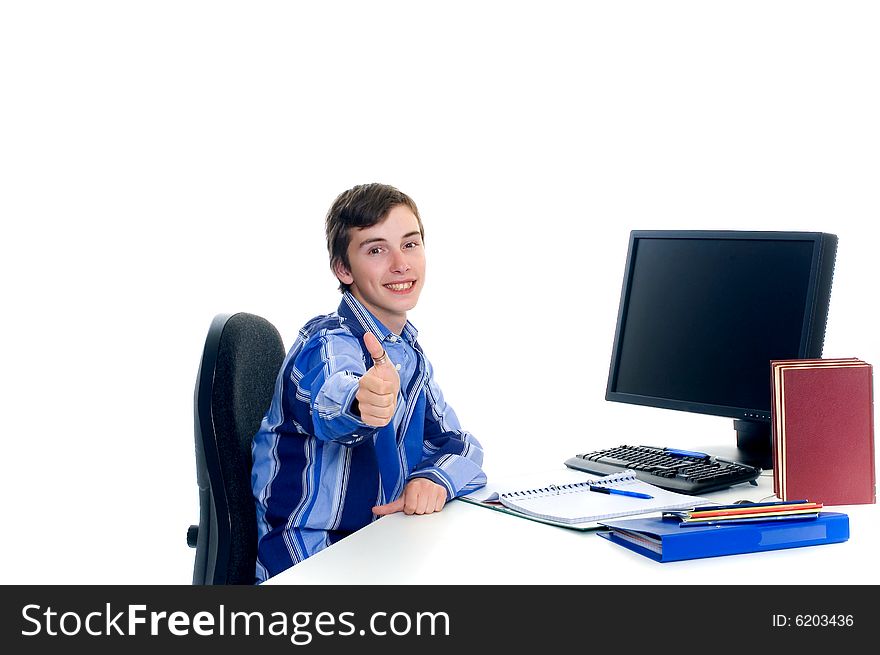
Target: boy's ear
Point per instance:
(342, 273)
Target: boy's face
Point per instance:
(387, 266)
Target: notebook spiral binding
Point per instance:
(623, 476)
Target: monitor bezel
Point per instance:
(808, 347)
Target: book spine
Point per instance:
(774, 427)
(871, 428)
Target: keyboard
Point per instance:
(683, 471)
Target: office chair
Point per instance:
(242, 356)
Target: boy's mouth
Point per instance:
(400, 287)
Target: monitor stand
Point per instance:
(754, 443)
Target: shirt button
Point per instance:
(397, 366)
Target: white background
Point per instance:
(163, 162)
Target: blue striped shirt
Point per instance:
(318, 469)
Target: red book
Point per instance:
(822, 418)
(775, 367)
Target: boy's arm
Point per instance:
(331, 367)
(452, 457)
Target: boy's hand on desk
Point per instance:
(420, 496)
(378, 387)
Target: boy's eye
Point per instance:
(412, 244)
(375, 251)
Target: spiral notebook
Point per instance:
(576, 502)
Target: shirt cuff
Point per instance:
(436, 476)
(346, 428)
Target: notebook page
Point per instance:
(575, 503)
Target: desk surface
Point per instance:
(468, 544)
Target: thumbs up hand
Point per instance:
(378, 387)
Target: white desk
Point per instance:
(467, 544)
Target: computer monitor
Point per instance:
(703, 313)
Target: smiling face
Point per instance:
(386, 266)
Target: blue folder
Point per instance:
(667, 540)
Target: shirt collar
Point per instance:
(363, 321)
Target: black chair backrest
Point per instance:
(242, 356)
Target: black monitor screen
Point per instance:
(701, 318)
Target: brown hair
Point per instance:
(361, 206)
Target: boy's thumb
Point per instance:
(375, 349)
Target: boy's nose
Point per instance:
(399, 264)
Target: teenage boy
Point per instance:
(358, 428)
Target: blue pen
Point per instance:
(685, 453)
(619, 492)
